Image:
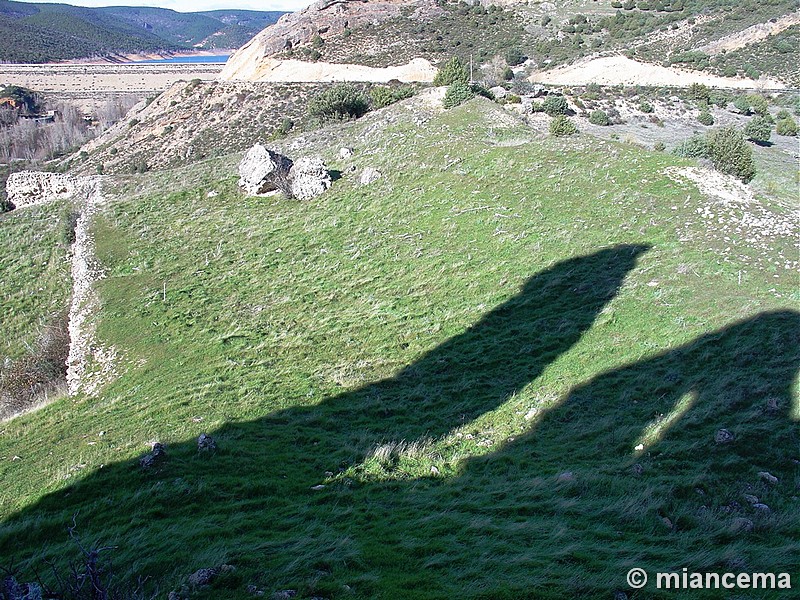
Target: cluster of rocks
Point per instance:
(27, 188)
(263, 171)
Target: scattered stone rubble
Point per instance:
(27, 188)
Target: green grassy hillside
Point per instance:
(35, 267)
(506, 362)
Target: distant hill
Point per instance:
(48, 32)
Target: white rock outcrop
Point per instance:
(255, 61)
(27, 188)
(310, 178)
(261, 169)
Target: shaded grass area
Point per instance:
(438, 350)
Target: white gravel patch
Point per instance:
(747, 231)
(90, 365)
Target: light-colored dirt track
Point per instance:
(620, 70)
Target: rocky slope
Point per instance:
(326, 18)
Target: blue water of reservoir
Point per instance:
(216, 58)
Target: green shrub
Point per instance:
(561, 125)
(513, 99)
(659, 147)
(599, 117)
(694, 147)
(283, 129)
(751, 72)
(700, 92)
(706, 118)
(457, 93)
(381, 96)
(507, 74)
(742, 104)
(758, 104)
(133, 122)
(783, 114)
(731, 153)
(384, 96)
(342, 101)
(515, 57)
(646, 107)
(787, 126)
(555, 105)
(453, 70)
(758, 129)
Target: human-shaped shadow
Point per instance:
(466, 376)
(629, 469)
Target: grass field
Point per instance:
(35, 279)
(506, 362)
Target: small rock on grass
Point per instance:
(202, 577)
(370, 175)
(741, 525)
(205, 443)
(153, 458)
(724, 436)
(768, 477)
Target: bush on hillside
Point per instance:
(384, 96)
(457, 93)
(515, 57)
(731, 153)
(705, 118)
(694, 147)
(646, 107)
(599, 117)
(561, 126)
(342, 101)
(758, 129)
(742, 104)
(25, 381)
(555, 105)
(787, 126)
(453, 70)
(758, 104)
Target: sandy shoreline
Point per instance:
(87, 79)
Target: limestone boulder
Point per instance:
(262, 170)
(309, 178)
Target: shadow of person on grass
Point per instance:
(630, 468)
(252, 504)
